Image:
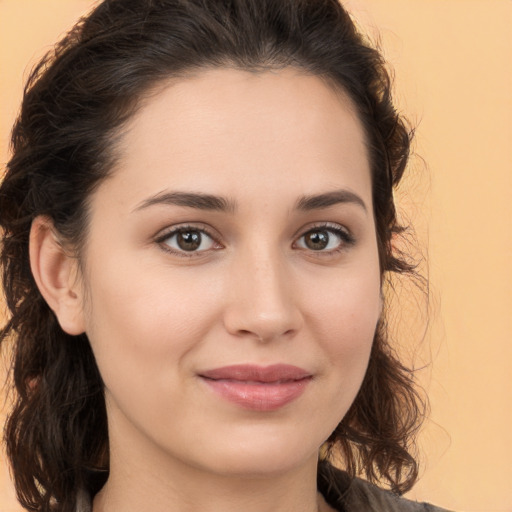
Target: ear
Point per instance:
(56, 274)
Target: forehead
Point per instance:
(223, 129)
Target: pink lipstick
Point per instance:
(260, 388)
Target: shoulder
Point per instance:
(362, 495)
(358, 495)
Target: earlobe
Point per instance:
(56, 275)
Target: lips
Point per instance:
(256, 387)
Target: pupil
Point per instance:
(189, 240)
(317, 240)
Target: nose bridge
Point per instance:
(262, 301)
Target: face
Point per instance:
(231, 273)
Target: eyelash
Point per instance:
(184, 229)
(346, 239)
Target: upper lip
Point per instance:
(255, 373)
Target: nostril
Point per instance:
(264, 318)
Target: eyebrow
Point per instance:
(211, 202)
(195, 200)
(317, 202)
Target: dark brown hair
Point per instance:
(63, 145)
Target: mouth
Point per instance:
(258, 388)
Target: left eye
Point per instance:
(323, 239)
(188, 240)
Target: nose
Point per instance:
(262, 304)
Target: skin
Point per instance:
(255, 292)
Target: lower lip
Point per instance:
(258, 396)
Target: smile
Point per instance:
(258, 388)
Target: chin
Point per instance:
(262, 456)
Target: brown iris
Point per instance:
(188, 240)
(316, 240)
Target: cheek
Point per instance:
(348, 305)
(140, 321)
(343, 318)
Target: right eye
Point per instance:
(187, 241)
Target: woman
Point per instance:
(198, 217)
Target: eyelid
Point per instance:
(339, 230)
(170, 231)
(346, 236)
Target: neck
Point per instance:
(173, 486)
(145, 476)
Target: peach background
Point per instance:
(454, 80)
